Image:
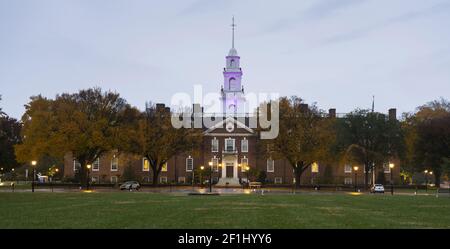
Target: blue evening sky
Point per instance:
(337, 53)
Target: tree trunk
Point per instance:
(298, 174)
(437, 179)
(155, 177)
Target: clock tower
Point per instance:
(232, 90)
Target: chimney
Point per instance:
(392, 114)
(332, 113)
(303, 108)
(160, 106)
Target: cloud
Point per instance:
(320, 9)
(362, 32)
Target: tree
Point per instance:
(429, 138)
(369, 138)
(304, 138)
(9, 136)
(86, 124)
(157, 140)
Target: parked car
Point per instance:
(130, 185)
(377, 188)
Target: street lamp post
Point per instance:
(33, 164)
(87, 180)
(210, 176)
(356, 177)
(426, 180)
(391, 167)
(201, 170)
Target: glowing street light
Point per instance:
(355, 168)
(391, 167)
(33, 164)
(88, 171)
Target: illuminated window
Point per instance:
(145, 164)
(181, 179)
(315, 168)
(386, 168)
(164, 167)
(215, 164)
(244, 163)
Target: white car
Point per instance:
(130, 185)
(377, 188)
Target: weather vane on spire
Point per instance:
(232, 38)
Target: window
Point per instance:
(348, 168)
(164, 167)
(215, 145)
(215, 164)
(114, 163)
(163, 179)
(145, 164)
(76, 165)
(386, 168)
(244, 163)
(229, 144)
(96, 165)
(189, 163)
(146, 179)
(278, 180)
(181, 179)
(348, 181)
(113, 179)
(270, 165)
(244, 145)
(94, 179)
(315, 168)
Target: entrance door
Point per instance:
(229, 170)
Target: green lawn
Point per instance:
(147, 210)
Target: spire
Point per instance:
(232, 30)
(373, 103)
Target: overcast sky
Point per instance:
(337, 53)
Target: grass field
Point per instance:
(149, 210)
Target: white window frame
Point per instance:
(348, 181)
(96, 162)
(234, 144)
(278, 180)
(116, 179)
(112, 163)
(272, 162)
(215, 145)
(181, 179)
(215, 164)
(163, 181)
(94, 179)
(244, 162)
(347, 167)
(143, 164)
(76, 165)
(386, 166)
(187, 164)
(244, 142)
